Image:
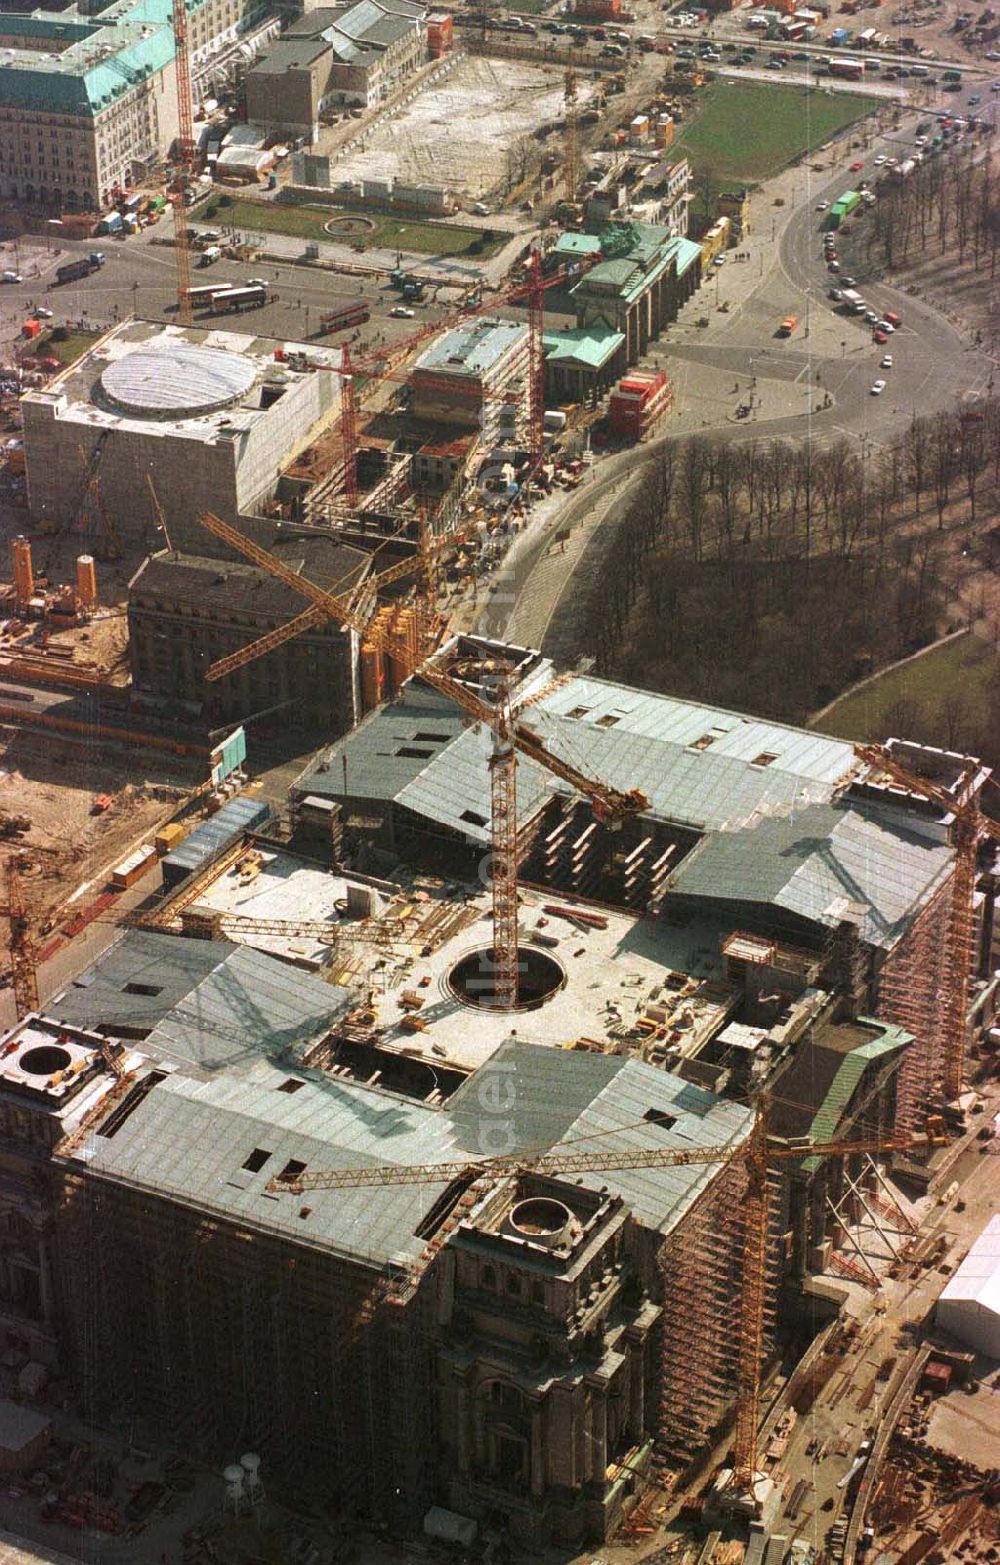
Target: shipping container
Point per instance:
(133, 868)
(213, 837)
(169, 837)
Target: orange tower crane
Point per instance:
(610, 805)
(185, 161)
(22, 945)
(970, 827)
(758, 1154)
(385, 365)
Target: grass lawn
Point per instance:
(750, 130)
(530, 7)
(962, 669)
(389, 233)
(75, 343)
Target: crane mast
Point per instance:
(185, 160)
(503, 869)
(22, 945)
(970, 826)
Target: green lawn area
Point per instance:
(390, 233)
(961, 669)
(75, 343)
(530, 7)
(750, 130)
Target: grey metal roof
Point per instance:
(528, 1097)
(747, 766)
(390, 748)
(289, 54)
(203, 1003)
(454, 787)
(250, 1004)
(190, 1139)
(810, 862)
(137, 981)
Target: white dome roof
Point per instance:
(177, 380)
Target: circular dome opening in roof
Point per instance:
(177, 380)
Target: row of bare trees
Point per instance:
(946, 205)
(770, 576)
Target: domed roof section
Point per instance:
(175, 380)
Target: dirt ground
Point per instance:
(930, 22)
(54, 783)
(458, 132)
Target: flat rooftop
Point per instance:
(290, 889)
(197, 382)
(636, 986)
(388, 948)
(472, 349)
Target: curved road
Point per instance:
(934, 367)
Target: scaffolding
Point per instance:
(910, 994)
(219, 1339)
(700, 1268)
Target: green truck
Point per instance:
(842, 208)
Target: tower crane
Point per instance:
(758, 1154)
(530, 293)
(22, 945)
(511, 736)
(185, 160)
(970, 827)
(572, 163)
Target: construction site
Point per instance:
(460, 134)
(555, 1172)
(529, 1113)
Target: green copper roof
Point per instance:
(80, 66)
(586, 346)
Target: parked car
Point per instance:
(41, 313)
(11, 277)
(850, 282)
(821, 206)
(400, 312)
(880, 336)
(878, 387)
(887, 327)
(886, 363)
(856, 168)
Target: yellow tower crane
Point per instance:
(970, 827)
(511, 736)
(758, 1153)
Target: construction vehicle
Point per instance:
(510, 736)
(759, 1153)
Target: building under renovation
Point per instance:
(766, 828)
(186, 611)
(207, 1100)
(156, 424)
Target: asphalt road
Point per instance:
(934, 366)
(139, 278)
(849, 1405)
